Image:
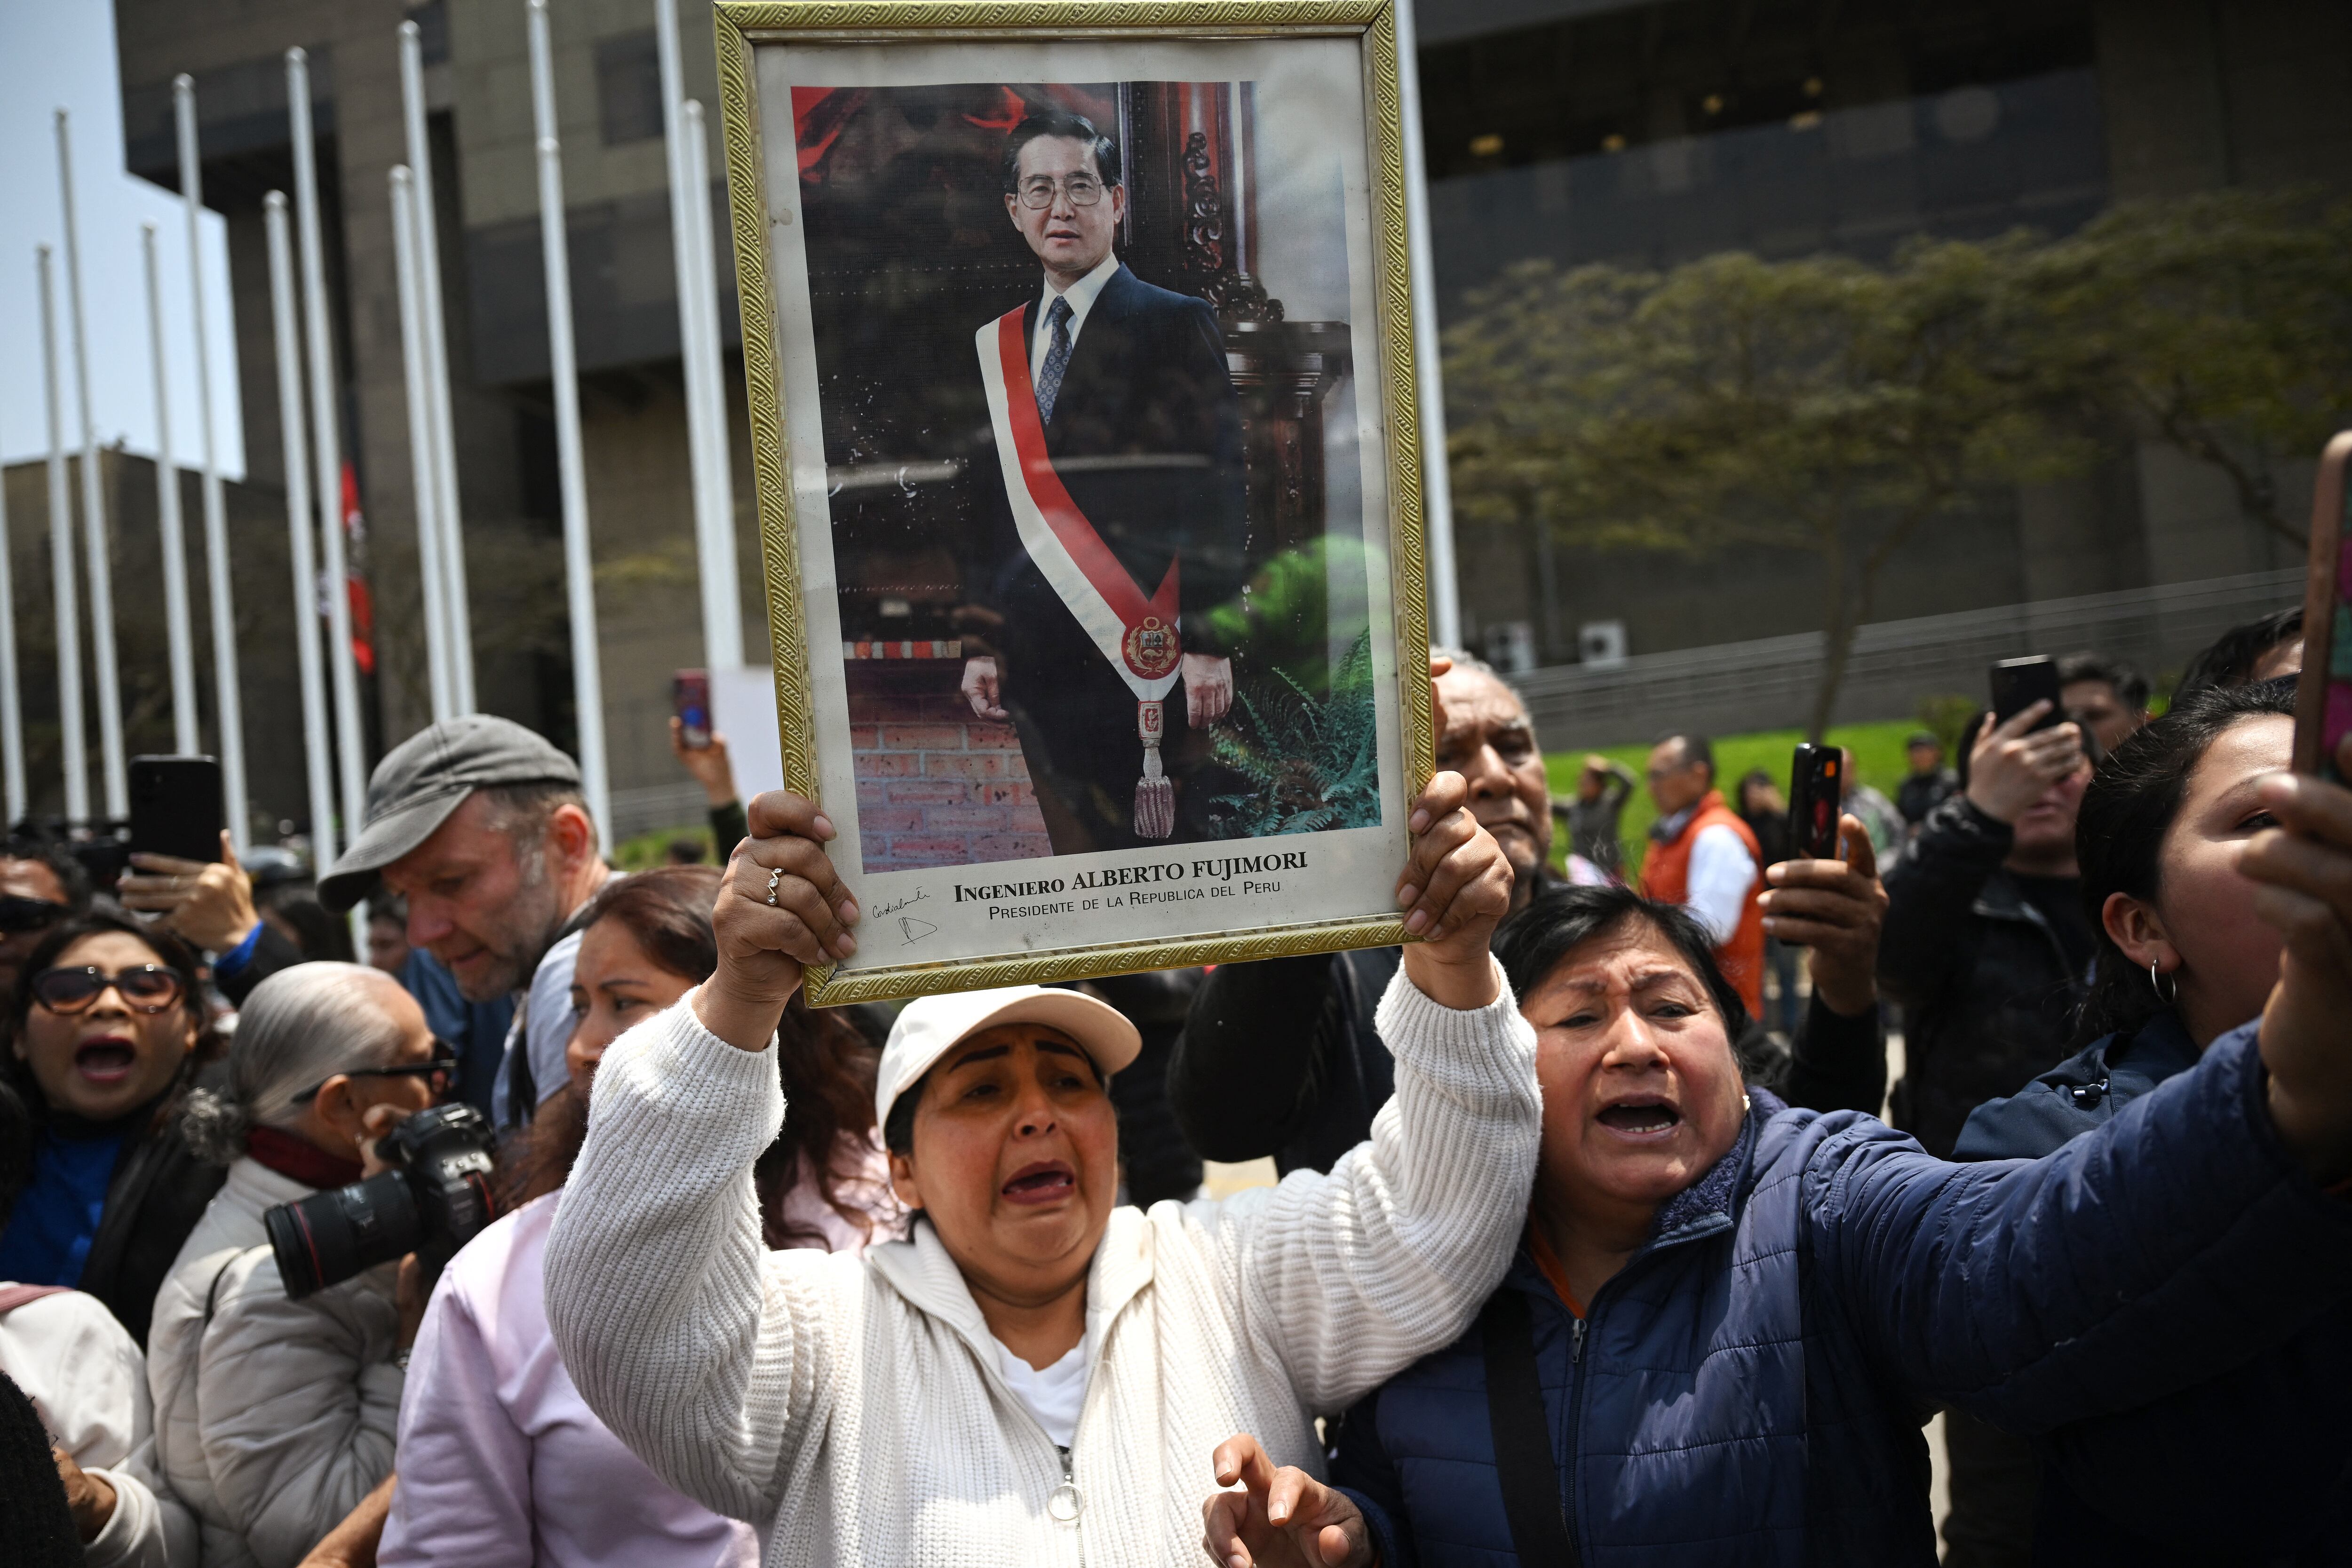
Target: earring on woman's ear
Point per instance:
(2157, 985)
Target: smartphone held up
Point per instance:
(176, 806)
(689, 692)
(2323, 709)
(1816, 786)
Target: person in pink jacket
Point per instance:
(499, 1459)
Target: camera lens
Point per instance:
(327, 1237)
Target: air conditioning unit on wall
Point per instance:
(1511, 647)
(1602, 644)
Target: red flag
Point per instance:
(363, 604)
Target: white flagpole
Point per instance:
(12, 713)
(351, 740)
(73, 743)
(181, 641)
(93, 514)
(714, 528)
(714, 492)
(316, 747)
(587, 681)
(456, 615)
(226, 699)
(1429, 374)
(420, 443)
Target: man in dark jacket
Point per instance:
(1115, 514)
(1985, 945)
(1987, 950)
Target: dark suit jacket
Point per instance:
(1147, 437)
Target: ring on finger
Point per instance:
(774, 877)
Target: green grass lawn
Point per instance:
(1877, 758)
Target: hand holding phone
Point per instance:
(2018, 683)
(1836, 906)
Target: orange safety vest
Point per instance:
(1665, 877)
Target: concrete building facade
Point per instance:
(1652, 131)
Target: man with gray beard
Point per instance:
(480, 825)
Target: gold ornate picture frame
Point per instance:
(923, 486)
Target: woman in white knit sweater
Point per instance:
(921, 1405)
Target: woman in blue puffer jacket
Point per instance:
(1729, 1319)
(2182, 957)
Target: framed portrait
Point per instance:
(1081, 388)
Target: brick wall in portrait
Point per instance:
(936, 784)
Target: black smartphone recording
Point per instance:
(176, 806)
(2018, 683)
(1816, 786)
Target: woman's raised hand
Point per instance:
(2304, 869)
(1281, 1518)
(1456, 889)
(781, 909)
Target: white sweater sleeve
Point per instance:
(702, 1360)
(1348, 1277)
(1721, 873)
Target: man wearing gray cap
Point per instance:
(480, 824)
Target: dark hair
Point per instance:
(2230, 660)
(24, 1108)
(319, 934)
(1531, 943)
(898, 1129)
(58, 857)
(1694, 749)
(389, 907)
(826, 1065)
(1055, 122)
(2131, 686)
(2120, 828)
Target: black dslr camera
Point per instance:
(438, 1200)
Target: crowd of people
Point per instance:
(1601, 1234)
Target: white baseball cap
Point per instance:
(931, 1027)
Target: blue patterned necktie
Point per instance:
(1057, 358)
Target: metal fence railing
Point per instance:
(1769, 683)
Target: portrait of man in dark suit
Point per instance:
(1111, 509)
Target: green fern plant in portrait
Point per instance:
(1310, 763)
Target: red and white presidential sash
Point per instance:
(1137, 635)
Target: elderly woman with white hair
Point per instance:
(274, 1417)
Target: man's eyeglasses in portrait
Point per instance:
(1037, 191)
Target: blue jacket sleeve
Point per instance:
(1360, 1467)
(2176, 1242)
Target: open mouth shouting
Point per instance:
(1641, 1117)
(106, 1060)
(1040, 1182)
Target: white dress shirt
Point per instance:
(1081, 296)
(1722, 875)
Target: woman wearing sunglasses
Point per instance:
(273, 1417)
(97, 1191)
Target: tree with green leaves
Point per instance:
(1821, 405)
(1832, 406)
(2220, 324)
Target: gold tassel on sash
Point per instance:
(1155, 792)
